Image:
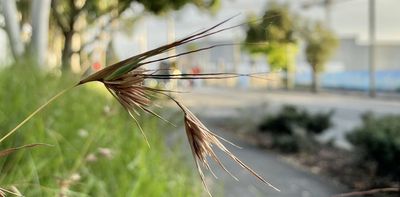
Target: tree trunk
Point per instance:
(315, 81)
(10, 13)
(287, 80)
(289, 83)
(40, 30)
(67, 51)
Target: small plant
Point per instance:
(290, 117)
(378, 140)
(317, 123)
(6, 152)
(286, 124)
(282, 123)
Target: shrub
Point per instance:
(284, 127)
(281, 123)
(290, 117)
(317, 123)
(378, 140)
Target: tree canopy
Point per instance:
(320, 45)
(67, 12)
(276, 34)
(71, 17)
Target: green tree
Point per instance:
(66, 13)
(321, 44)
(275, 35)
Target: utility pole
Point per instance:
(372, 40)
(328, 13)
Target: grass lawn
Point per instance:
(97, 150)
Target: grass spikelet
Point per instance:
(129, 92)
(202, 141)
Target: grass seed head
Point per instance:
(125, 81)
(202, 141)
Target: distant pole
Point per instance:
(372, 89)
(328, 13)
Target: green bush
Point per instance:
(97, 148)
(378, 140)
(317, 123)
(290, 117)
(283, 125)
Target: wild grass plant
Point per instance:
(125, 82)
(96, 149)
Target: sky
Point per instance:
(349, 19)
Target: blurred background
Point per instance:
(319, 117)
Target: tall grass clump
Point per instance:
(96, 150)
(125, 81)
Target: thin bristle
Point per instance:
(134, 62)
(201, 141)
(129, 94)
(3, 192)
(140, 128)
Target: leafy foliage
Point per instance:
(284, 125)
(276, 35)
(165, 5)
(67, 12)
(282, 56)
(317, 123)
(290, 116)
(282, 122)
(320, 45)
(378, 140)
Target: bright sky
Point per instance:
(349, 19)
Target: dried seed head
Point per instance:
(125, 81)
(129, 91)
(202, 141)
